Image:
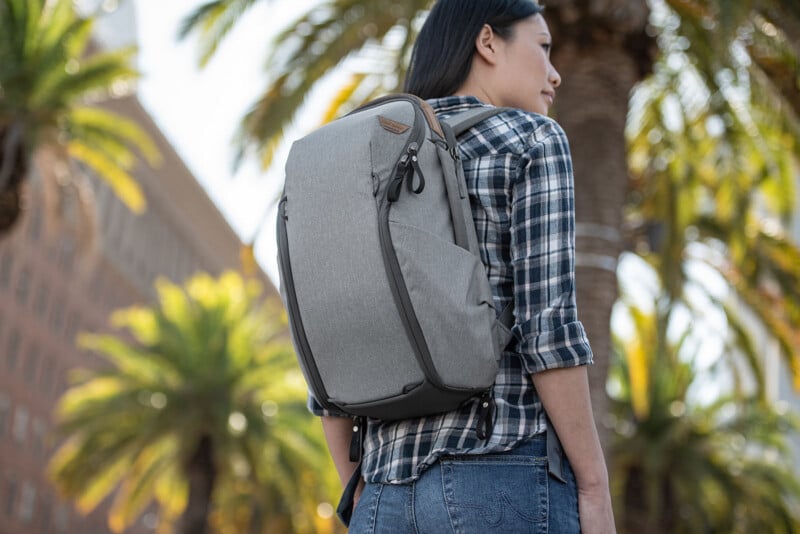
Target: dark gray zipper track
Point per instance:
(303, 347)
(397, 283)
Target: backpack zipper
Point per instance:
(403, 301)
(303, 347)
(394, 273)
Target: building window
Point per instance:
(11, 496)
(52, 251)
(23, 286)
(5, 269)
(63, 382)
(141, 269)
(5, 408)
(57, 315)
(66, 254)
(27, 502)
(31, 362)
(20, 427)
(61, 518)
(103, 204)
(96, 290)
(47, 379)
(35, 225)
(38, 431)
(112, 221)
(44, 514)
(12, 354)
(71, 327)
(40, 304)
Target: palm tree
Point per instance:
(202, 410)
(685, 466)
(711, 155)
(603, 50)
(49, 78)
(713, 181)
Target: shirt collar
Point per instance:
(454, 104)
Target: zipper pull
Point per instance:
(485, 424)
(400, 172)
(416, 176)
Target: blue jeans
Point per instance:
(505, 493)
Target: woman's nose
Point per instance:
(555, 77)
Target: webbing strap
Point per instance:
(507, 316)
(461, 122)
(346, 503)
(555, 454)
(357, 438)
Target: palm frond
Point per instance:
(146, 367)
(342, 97)
(93, 489)
(138, 488)
(123, 184)
(114, 129)
(213, 21)
(97, 73)
(305, 52)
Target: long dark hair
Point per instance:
(442, 55)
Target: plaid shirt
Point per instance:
(519, 175)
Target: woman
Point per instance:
(433, 474)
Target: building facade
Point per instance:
(49, 293)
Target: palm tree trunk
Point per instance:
(592, 108)
(635, 512)
(601, 55)
(638, 514)
(13, 169)
(201, 474)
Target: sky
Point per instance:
(199, 109)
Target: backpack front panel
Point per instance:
(354, 331)
(391, 318)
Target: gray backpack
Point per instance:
(389, 305)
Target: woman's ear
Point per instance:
(486, 44)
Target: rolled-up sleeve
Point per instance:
(543, 255)
(317, 409)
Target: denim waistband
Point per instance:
(534, 446)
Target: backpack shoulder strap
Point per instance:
(461, 122)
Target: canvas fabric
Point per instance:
(390, 308)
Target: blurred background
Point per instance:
(147, 380)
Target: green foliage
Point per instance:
(210, 360)
(48, 75)
(714, 151)
(684, 466)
